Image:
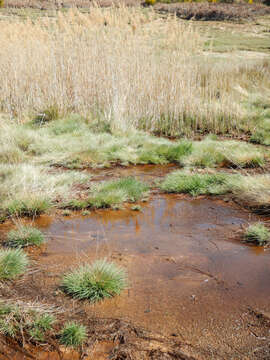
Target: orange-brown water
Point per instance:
(189, 274)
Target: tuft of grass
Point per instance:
(257, 234)
(164, 153)
(30, 190)
(111, 193)
(66, 212)
(13, 262)
(195, 184)
(39, 326)
(24, 236)
(27, 322)
(31, 206)
(213, 153)
(49, 114)
(73, 334)
(136, 208)
(95, 282)
(261, 135)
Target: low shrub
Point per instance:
(95, 282)
(257, 234)
(13, 262)
(24, 236)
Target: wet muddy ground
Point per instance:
(191, 279)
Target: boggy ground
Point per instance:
(191, 280)
(195, 290)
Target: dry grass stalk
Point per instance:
(131, 66)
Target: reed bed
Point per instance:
(128, 66)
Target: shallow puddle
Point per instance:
(189, 273)
(174, 250)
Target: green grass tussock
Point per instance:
(195, 184)
(32, 206)
(73, 335)
(252, 191)
(111, 193)
(29, 190)
(214, 153)
(108, 194)
(257, 234)
(94, 282)
(17, 321)
(13, 262)
(261, 134)
(24, 236)
(164, 153)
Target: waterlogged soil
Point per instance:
(190, 276)
(194, 285)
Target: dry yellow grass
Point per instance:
(128, 65)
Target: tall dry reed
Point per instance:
(128, 65)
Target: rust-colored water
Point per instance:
(189, 275)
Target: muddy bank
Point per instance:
(191, 278)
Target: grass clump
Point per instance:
(66, 212)
(257, 234)
(195, 184)
(95, 282)
(49, 114)
(30, 190)
(152, 153)
(73, 334)
(24, 236)
(214, 153)
(136, 208)
(111, 193)
(31, 206)
(261, 134)
(40, 325)
(13, 262)
(17, 321)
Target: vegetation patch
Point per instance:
(73, 335)
(17, 321)
(24, 236)
(193, 97)
(110, 193)
(257, 234)
(29, 190)
(195, 184)
(252, 191)
(95, 282)
(216, 153)
(13, 262)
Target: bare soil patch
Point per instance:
(214, 12)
